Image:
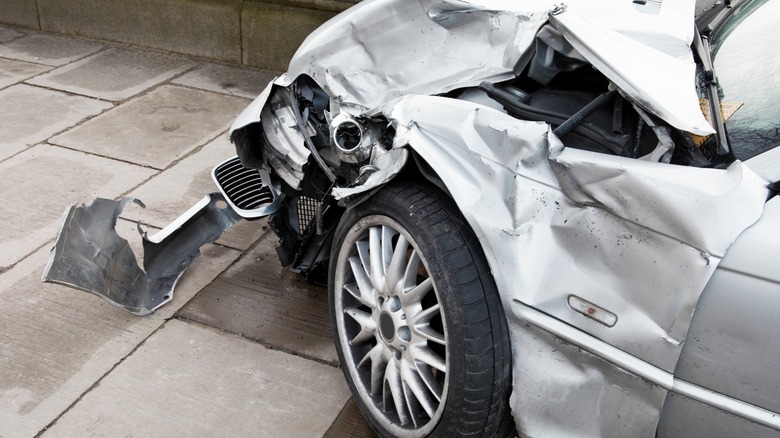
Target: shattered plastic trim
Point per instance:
(88, 254)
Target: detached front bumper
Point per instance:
(89, 255)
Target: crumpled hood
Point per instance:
(645, 51)
(381, 50)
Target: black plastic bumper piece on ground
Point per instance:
(88, 254)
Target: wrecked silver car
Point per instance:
(535, 218)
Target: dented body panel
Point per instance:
(554, 210)
(446, 45)
(557, 222)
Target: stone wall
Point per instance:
(260, 33)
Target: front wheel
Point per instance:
(417, 320)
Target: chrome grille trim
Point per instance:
(248, 191)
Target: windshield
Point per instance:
(747, 64)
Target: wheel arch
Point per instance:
(475, 169)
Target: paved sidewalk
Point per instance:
(243, 349)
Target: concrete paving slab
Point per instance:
(8, 34)
(156, 129)
(30, 115)
(57, 342)
(53, 50)
(115, 74)
(12, 71)
(171, 193)
(350, 424)
(40, 182)
(190, 380)
(233, 80)
(261, 300)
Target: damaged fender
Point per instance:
(556, 224)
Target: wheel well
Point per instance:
(306, 251)
(424, 171)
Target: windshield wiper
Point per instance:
(701, 45)
(709, 21)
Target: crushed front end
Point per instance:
(572, 164)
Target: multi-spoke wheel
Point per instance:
(418, 323)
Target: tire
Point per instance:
(417, 320)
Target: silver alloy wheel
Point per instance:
(390, 326)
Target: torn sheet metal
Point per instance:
(88, 253)
(644, 51)
(384, 167)
(382, 50)
(556, 223)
